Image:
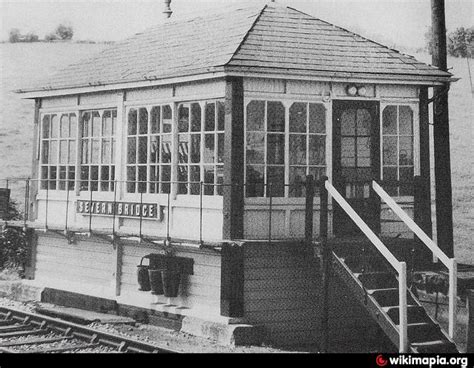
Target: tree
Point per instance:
(51, 37)
(461, 42)
(31, 37)
(15, 35)
(64, 32)
(429, 40)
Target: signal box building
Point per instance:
(198, 136)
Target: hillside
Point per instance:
(24, 62)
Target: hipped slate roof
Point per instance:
(269, 39)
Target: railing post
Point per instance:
(452, 297)
(141, 216)
(114, 213)
(90, 210)
(27, 204)
(325, 251)
(168, 239)
(270, 190)
(201, 187)
(47, 204)
(308, 223)
(403, 318)
(67, 207)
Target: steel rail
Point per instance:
(41, 324)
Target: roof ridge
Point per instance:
(246, 34)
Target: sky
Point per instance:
(392, 22)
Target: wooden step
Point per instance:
(435, 346)
(424, 332)
(389, 297)
(415, 314)
(378, 280)
(361, 265)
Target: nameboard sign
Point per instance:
(120, 209)
(4, 201)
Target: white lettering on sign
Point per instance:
(105, 208)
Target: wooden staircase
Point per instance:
(375, 285)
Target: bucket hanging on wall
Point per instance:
(156, 282)
(143, 277)
(171, 277)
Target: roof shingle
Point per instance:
(269, 38)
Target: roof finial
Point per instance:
(167, 12)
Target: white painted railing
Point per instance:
(450, 263)
(400, 267)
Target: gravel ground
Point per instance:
(163, 337)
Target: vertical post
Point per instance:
(90, 209)
(425, 170)
(308, 223)
(47, 205)
(470, 323)
(67, 206)
(114, 213)
(34, 185)
(232, 280)
(141, 216)
(402, 296)
(326, 260)
(452, 297)
(444, 205)
(27, 197)
(233, 201)
(168, 239)
(201, 187)
(270, 209)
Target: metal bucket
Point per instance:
(142, 277)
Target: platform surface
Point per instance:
(81, 316)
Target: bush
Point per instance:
(13, 249)
(51, 37)
(31, 37)
(64, 32)
(15, 35)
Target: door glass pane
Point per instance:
(297, 149)
(390, 150)
(348, 122)
(53, 152)
(209, 180)
(85, 151)
(183, 179)
(143, 121)
(363, 152)
(255, 148)
(155, 149)
(142, 150)
(317, 150)
(107, 124)
(72, 152)
(276, 149)
(298, 117)
(165, 178)
(105, 151)
(317, 118)
(348, 152)
(86, 117)
(131, 179)
(406, 120)
(72, 125)
(45, 149)
(255, 115)
(220, 180)
(95, 150)
(276, 117)
(104, 178)
(142, 179)
(406, 151)
(195, 180)
(220, 148)
(364, 121)
(63, 151)
(389, 120)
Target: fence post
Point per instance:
(326, 260)
(470, 323)
(308, 224)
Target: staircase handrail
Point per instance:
(450, 263)
(399, 266)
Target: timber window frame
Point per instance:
(259, 149)
(398, 148)
(98, 142)
(58, 151)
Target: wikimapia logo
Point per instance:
(432, 361)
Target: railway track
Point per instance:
(25, 332)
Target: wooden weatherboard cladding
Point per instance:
(232, 281)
